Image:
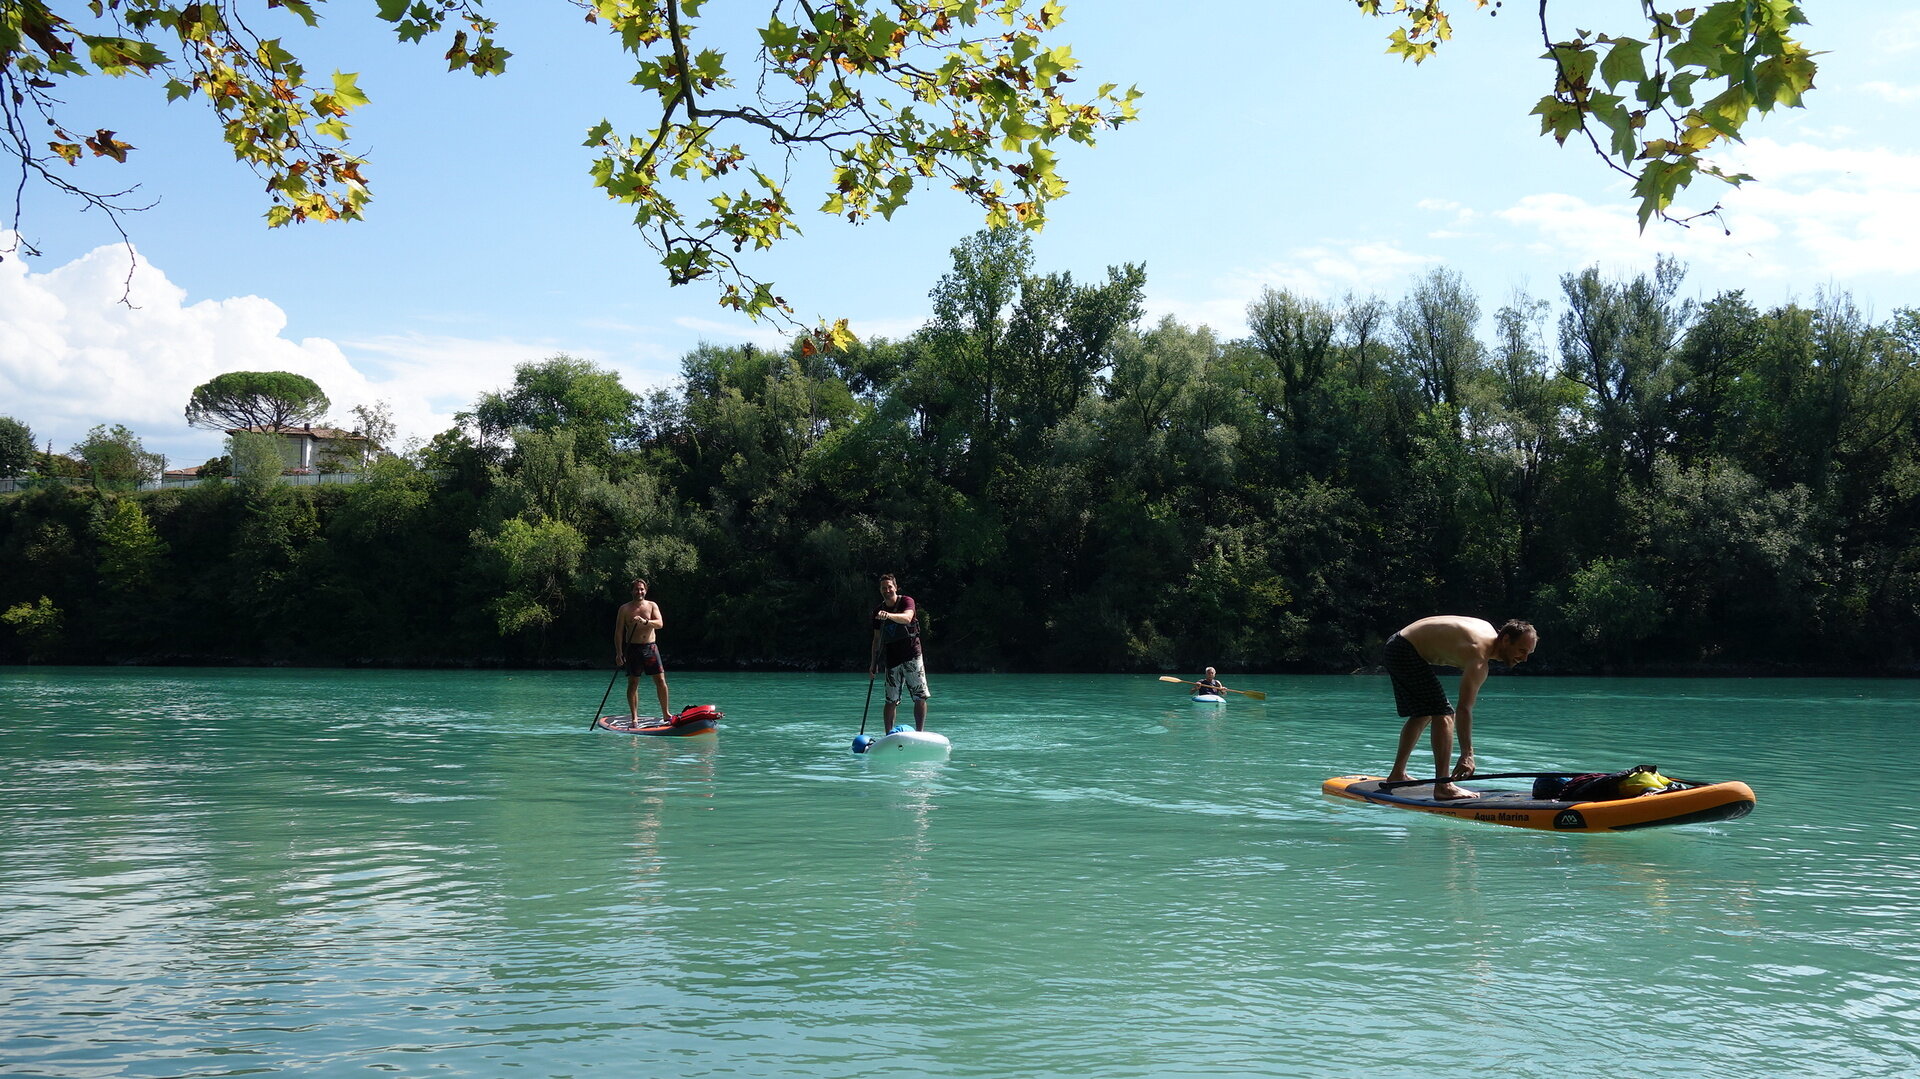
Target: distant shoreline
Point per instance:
(1532, 670)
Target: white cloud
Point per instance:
(427, 378)
(759, 335)
(1852, 212)
(1744, 247)
(1899, 95)
(1813, 214)
(1331, 271)
(1899, 34)
(1327, 271)
(72, 356)
(1227, 315)
(1820, 212)
(893, 329)
(1554, 224)
(1460, 214)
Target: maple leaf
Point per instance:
(103, 144)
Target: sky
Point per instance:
(1279, 146)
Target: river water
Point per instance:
(248, 872)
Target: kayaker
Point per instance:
(636, 648)
(1210, 684)
(1447, 640)
(897, 632)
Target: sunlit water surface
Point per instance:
(210, 873)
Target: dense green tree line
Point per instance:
(1659, 483)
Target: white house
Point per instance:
(301, 448)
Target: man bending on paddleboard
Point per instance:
(1447, 640)
(635, 649)
(1210, 684)
(895, 629)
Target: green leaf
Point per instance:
(1625, 62)
(1681, 87)
(1557, 118)
(1782, 80)
(1657, 184)
(1608, 109)
(346, 90)
(1576, 63)
(116, 55)
(1727, 111)
(303, 9)
(1721, 26)
(778, 36)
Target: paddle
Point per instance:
(872, 673)
(1477, 777)
(1390, 784)
(1252, 694)
(595, 721)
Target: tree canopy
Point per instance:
(560, 392)
(877, 98)
(268, 400)
(1652, 103)
(16, 446)
(893, 94)
(116, 457)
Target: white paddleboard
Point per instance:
(909, 742)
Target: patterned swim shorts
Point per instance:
(643, 659)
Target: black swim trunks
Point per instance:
(643, 659)
(1416, 689)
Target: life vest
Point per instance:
(696, 712)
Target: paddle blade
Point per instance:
(1171, 678)
(1254, 694)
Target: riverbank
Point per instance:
(1532, 669)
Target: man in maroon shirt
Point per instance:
(896, 630)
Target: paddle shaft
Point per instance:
(611, 679)
(1491, 775)
(872, 673)
(1502, 775)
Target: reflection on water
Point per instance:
(265, 872)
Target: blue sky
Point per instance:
(1278, 146)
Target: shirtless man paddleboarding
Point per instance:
(635, 648)
(1447, 640)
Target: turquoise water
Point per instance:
(211, 873)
